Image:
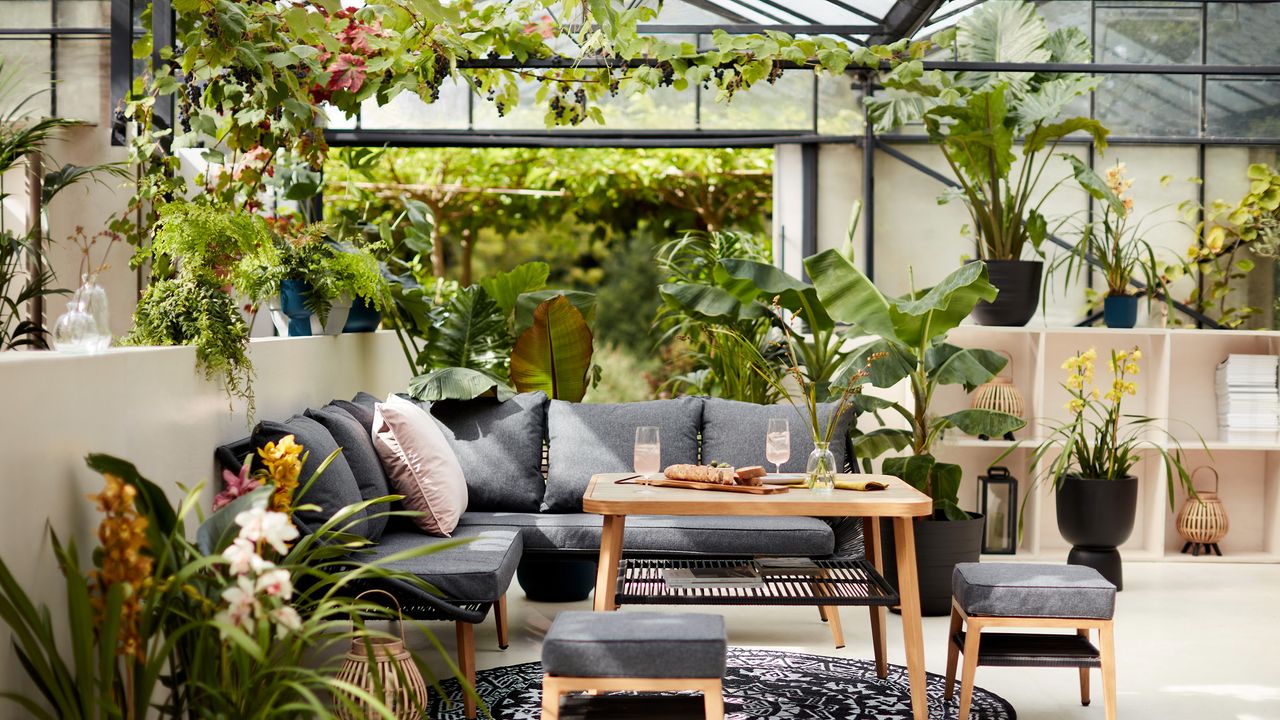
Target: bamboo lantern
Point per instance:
(1202, 521)
(404, 692)
(1000, 395)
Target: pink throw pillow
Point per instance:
(420, 464)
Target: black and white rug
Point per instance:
(758, 684)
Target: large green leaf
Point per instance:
(1041, 136)
(970, 367)
(1050, 100)
(1002, 31)
(709, 303)
(506, 287)
(976, 134)
(1068, 45)
(749, 281)
(983, 422)
(848, 295)
(1093, 184)
(554, 354)
(880, 441)
(886, 362)
(946, 479)
(914, 469)
(528, 302)
(936, 311)
(457, 383)
(470, 331)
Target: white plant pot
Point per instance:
(333, 326)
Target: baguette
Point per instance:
(700, 473)
(750, 475)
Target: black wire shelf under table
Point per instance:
(843, 582)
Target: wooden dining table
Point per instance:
(615, 496)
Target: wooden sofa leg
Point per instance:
(953, 655)
(1084, 673)
(500, 616)
(467, 664)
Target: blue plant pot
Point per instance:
(292, 304)
(362, 318)
(1120, 311)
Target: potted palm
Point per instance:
(1090, 459)
(911, 345)
(975, 118)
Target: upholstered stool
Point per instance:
(637, 652)
(988, 595)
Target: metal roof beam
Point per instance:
(904, 19)
(747, 28)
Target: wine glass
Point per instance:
(777, 443)
(647, 459)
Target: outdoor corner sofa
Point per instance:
(527, 462)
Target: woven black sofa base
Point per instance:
(1034, 650)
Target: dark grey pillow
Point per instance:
(357, 449)
(362, 413)
(333, 490)
(733, 432)
(499, 445)
(585, 439)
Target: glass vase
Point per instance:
(820, 471)
(93, 300)
(75, 331)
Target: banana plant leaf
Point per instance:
(585, 302)
(848, 295)
(456, 383)
(710, 303)
(984, 422)
(506, 287)
(554, 353)
(880, 441)
(970, 367)
(935, 312)
(752, 281)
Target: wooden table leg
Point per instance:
(830, 613)
(871, 548)
(610, 554)
(912, 631)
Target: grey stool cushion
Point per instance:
(733, 432)
(641, 645)
(1033, 590)
(477, 571)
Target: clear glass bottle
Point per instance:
(75, 331)
(93, 300)
(820, 471)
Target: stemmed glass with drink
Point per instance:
(647, 459)
(777, 443)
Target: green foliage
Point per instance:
(458, 383)
(912, 346)
(470, 331)
(554, 353)
(201, 237)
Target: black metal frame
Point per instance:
(844, 582)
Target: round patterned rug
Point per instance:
(758, 684)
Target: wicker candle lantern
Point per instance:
(404, 692)
(1202, 521)
(999, 395)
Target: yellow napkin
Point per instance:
(860, 485)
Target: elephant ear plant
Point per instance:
(911, 345)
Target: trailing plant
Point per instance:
(975, 118)
(912, 346)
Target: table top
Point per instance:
(605, 496)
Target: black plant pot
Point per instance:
(558, 580)
(1096, 516)
(940, 545)
(1019, 284)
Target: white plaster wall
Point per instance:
(788, 209)
(151, 407)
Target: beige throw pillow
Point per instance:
(420, 464)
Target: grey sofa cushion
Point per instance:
(640, 644)
(668, 534)
(476, 571)
(499, 445)
(1033, 590)
(333, 490)
(357, 449)
(362, 413)
(733, 432)
(585, 439)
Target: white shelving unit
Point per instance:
(1176, 385)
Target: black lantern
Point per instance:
(999, 492)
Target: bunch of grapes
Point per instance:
(775, 72)
(668, 74)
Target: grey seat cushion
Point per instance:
(1033, 590)
(668, 534)
(733, 432)
(476, 571)
(357, 449)
(641, 645)
(499, 446)
(333, 490)
(585, 439)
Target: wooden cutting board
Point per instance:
(749, 489)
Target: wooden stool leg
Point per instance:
(713, 701)
(971, 639)
(1107, 650)
(871, 543)
(822, 613)
(467, 665)
(550, 698)
(500, 616)
(1084, 673)
(837, 630)
(953, 655)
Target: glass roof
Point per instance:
(877, 20)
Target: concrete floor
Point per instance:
(1195, 641)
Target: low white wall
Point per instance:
(151, 407)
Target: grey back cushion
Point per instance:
(585, 439)
(499, 445)
(362, 413)
(333, 490)
(357, 448)
(733, 432)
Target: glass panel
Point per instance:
(1243, 107)
(27, 60)
(839, 106)
(25, 13)
(1243, 33)
(1060, 14)
(787, 105)
(83, 13)
(1149, 105)
(84, 69)
(1147, 33)
(407, 111)
(661, 109)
